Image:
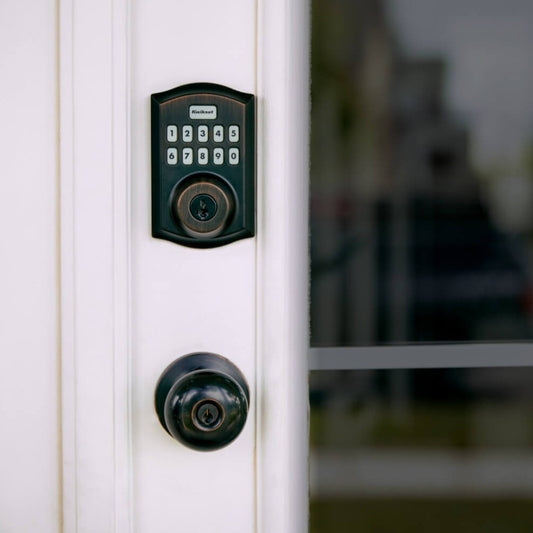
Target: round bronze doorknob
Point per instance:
(203, 206)
(202, 400)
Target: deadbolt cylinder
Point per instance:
(204, 206)
(202, 401)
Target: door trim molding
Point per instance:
(282, 265)
(94, 159)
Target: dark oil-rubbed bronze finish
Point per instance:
(203, 206)
(202, 401)
(195, 224)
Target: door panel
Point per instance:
(188, 300)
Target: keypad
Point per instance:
(202, 133)
(201, 145)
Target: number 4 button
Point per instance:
(218, 133)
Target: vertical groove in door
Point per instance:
(95, 265)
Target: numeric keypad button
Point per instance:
(218, 133)
(172, 156)
(233, 156)
(172, 133)
(218, 156)
(186, 156)
(203, 156)
(234, 133)
(203, 134)
(186, 134)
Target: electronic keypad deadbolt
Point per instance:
(203, 165)
(202, 400)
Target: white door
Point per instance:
(94, 308)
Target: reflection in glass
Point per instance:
(410, 451)
(421, 171)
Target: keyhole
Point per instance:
(202, 212)
(208, 415)
(203, 207)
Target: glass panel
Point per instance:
(410, 451)
(422, 171)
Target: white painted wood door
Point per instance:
(94, 308)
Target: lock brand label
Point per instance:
(203, 112)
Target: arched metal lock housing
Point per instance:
(203, 165)
(202, 400)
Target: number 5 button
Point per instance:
(234, 133)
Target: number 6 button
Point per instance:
(172, 156)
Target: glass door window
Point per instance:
(422, 266)
(421, 171)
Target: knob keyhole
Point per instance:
(207, 415)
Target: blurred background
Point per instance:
(422, 232)
(421, 171)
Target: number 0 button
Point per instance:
(233, 156)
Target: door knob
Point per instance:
(202, 401)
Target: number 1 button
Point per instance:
(172, 134)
